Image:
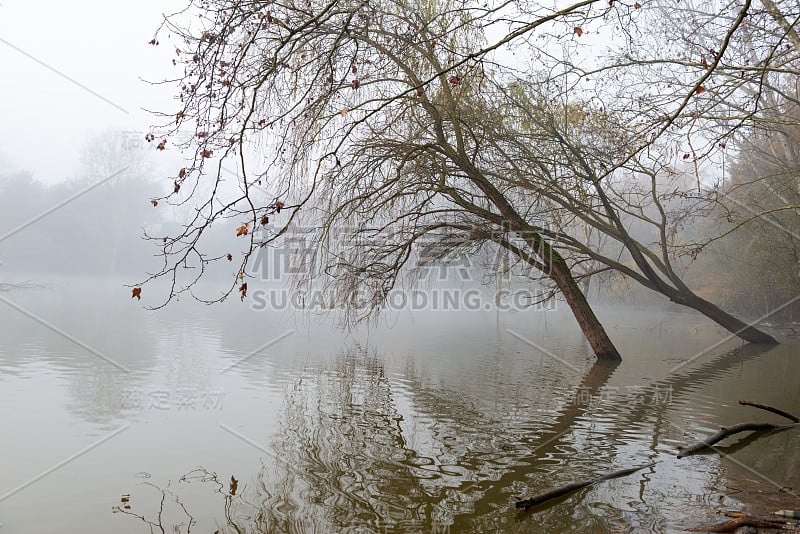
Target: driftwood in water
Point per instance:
(742, 520)
(787, 415)
(569, 488)
(729, 431)
(741, 427)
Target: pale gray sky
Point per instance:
(100, 45)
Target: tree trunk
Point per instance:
(601, 344)
(726, 320)
(555, 266)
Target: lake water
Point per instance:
(118, 419)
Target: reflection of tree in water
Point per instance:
(357, 449)
(89, 313)
(173, 514)
(344, 458)
(340, 463)
(560, 458)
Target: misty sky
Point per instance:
(46, 118)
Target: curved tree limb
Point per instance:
(787, 415)
(729, 431)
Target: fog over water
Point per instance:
(273, 411)
(407, 422)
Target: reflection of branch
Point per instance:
(205, 476)
(548, 441)
(185, 511)
(152, 524)
(635, 413)
(158, 524)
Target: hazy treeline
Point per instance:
(746, 256)
(751, 262)
(96, 233)
(751, 270)
(89, 223)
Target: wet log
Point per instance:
(727, 432)
(569, 488)
(733, 525)
(771, 518)
(740, 523)
(772, 409)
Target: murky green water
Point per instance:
(115, 419)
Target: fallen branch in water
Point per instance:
(726, 432)
(741, 520)
(729, 431)
(569, 488)
(787, 415)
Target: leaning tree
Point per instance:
(390, 126)
(358, 107)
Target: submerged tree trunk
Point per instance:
(550, 262)
(601, 344)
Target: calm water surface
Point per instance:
(116, 419)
